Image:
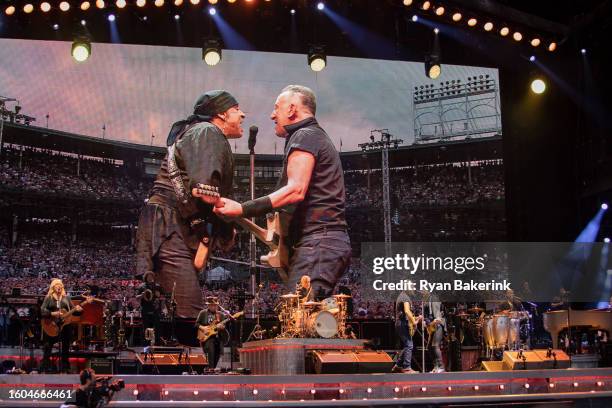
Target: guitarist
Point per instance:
(312, 184)
(56, 304)
(436, 327)
(207, 318)
(173, 222)
(405, 326)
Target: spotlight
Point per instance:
(85, 5)
(538, 86)
(415, 18)
(552, 46)
(439, 11)
(100, 4)
(81, 49)
(141, 3)
(517, 36)
(159, 3)
(426, 5)
(64, 6)
(10, 10)
(111, 18)
(213, 1)
(457, 16)
(317, 60)
(28, 8)
(604, 206)
(407, 2)
(292, 11)
(535, 42)
(56, 27)
(83, 23)
(504, 31)
(177, 17)
(488, 26)
(532, 58)
(320, 5)
(196, 2)
(436, 30)
(120, 4)
(212, 11)
(583, 51)
(211, 53)
(44, 7)
(472, 22)
(433, 69)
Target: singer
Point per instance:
(312, 188)
(173, 222)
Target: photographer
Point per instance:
(96, 392)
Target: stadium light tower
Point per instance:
(385, 143)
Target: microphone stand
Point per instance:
(252, 253)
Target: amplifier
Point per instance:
(349, 362)
(528, 361)
(126, 366)
(101, 365)
(170, 363)
(556, 359)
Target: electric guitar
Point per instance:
(206, 332)
(52, 326)
(273, 236)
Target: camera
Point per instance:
(96, 391)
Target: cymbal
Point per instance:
(289, 296)
(312, 304)
(342, 296)
(476, 310)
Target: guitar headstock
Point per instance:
(209, 194)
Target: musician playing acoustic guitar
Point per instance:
(56, 305)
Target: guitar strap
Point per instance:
(174, 174)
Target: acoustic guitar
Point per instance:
(206, 332)
(52, 326)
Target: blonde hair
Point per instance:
(54, 282)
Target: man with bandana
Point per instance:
(173, 222)
(312, 187)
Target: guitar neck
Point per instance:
(259, 232)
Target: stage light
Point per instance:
(341, 390)
(472, 22)
(320, 5)
(196, 392)
(225, 392)
(194, 2)
(538, 86)
(144, 18)
(415, 18)
(532, 58)
(85, 5)
(396, 389)
(575, 385)
(177, 17)
(551, 385)
(426, 5)
(141, 3)
(369, 390)
(100, 4)
(178, 3)
(502, 386)
(166, 392)
(317, 60)
(120, 4)
(229, 1)
(488, 26)
(607, 240)
(45, 7)
(600, 383)
(433, 69)
(81, 49)
(211, 53)
(159, 3)
(83, 23)
(517, 36)
(604, 206)
(476, 388)
(407, 2)
(504, 31)
(552, 46)
(28, 8)
(212, 11)
(436, 30)
(213, 1)
(423, 389)
(255, 392)
(583, 51)
(64, 6)
(10, 10)
(449, 388)
(535, 42)
(527, 386)
(135, 392)
(440, 11)
(313, 391)
(56, 27)
(111, 18)
(292, 11)
(457, 16)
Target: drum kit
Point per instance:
(326, 319)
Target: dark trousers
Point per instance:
(324, 256)
(404, 359)
(212, 349)
(436, 352)
(151, 321)
(64, 338)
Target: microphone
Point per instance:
(253, 137)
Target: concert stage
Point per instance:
(584, 386)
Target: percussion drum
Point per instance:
(322, 324)
(330, 304)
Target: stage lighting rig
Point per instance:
(81, 45)
(538, 86)
(211, 53)
(433, 67)
(317, 60)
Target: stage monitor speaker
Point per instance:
(493, 366)
(350, 362)
(553, 358)
(101, 365)
(126, 366)
(152, 363)
(522, 360)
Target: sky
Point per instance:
(137, 91)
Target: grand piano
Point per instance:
(558, 320)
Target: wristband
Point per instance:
(259, 206)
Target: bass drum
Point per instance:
(321, 324)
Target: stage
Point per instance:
(588, 386)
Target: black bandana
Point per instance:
(206, 107)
